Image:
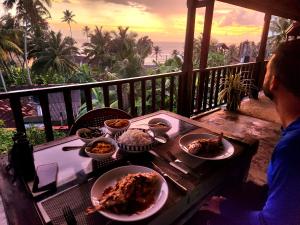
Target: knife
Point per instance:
(177, 162)
(180, 186)
(179, 166)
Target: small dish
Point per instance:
(159, 126)
(90, 134)
(101, 156)
(117, 125)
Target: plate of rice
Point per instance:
(135, 140)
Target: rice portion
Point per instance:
(135, 137)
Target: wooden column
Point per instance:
(259, 70)
(209, 11)
(186, 79)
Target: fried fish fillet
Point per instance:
(132, 192)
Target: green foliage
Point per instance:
(35, 136)
(17, 76)
(6, 139)
(215, 59)
(278, 27)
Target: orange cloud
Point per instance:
(160, 20)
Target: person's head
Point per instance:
(283, 70)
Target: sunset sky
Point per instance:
(161, 20)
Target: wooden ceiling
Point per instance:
(289, 9)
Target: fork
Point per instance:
(69, 216)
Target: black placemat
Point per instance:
(78, 199)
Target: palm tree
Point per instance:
(123, 43)
(68, 18)
(32, 13)
(157, 51)
(278, 26)
(7, 45)
(86, 31)
(97, 51)
(144, 47)
(56, 57)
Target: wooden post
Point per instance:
(186, 79)
(209, 11)
(259, 70)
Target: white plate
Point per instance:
(228, 148)
(111, 177)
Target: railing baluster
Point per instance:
(69, 107)
(132, 100)
(88, 99)
(206, 80)
(46, 116)
(163, 93)
(194, 101)
(219, 71)
(171, 93)
(153, 85)
(120, 96)
(212, 83)
(201, 83)
(106, 96)
(16, 107)
(143, 87)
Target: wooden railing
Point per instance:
(206, 84)
(143, 95)
(152, 92)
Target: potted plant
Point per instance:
(234, 86)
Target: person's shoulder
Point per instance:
(289, 144)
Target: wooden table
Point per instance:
(24, 208)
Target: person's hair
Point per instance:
(286, 65)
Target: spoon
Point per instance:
(69, 148)
(161, 139)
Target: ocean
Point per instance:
(166, 51)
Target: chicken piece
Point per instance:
(205, 145)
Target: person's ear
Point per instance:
(274, 83)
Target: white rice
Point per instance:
(135, 137)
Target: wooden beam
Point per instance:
(186, 79)
(259, 70)
(206, 34)
(200, 4)
(209, 11)
(264, 38)
(288, 8)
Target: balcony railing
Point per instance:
(139, 95)
(207, 84)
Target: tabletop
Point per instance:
(77, 174)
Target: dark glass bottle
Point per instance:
(21, 157)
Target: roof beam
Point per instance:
(288, 9)
(201, 3)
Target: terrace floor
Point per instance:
(256, 119)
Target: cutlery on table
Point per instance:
(179, 166)
(180, 186)
(69, 148)
(177, 162)
(69, 216)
